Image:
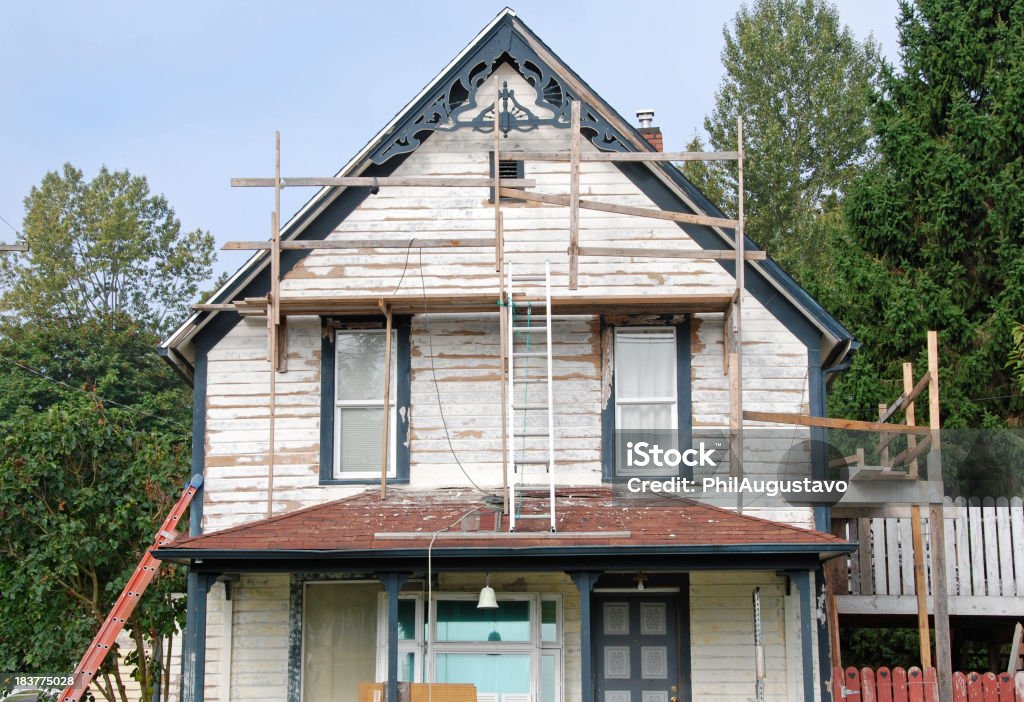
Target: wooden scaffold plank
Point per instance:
(832, 422)
(383, 182)
(333, 244)
(635, 252)
(564, 201)
(629, 156)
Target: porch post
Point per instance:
(585, 584)
(802, 579)
(193, 654)
(392, 584)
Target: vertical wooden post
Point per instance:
(503, 330)
(917, 538)
(735, 325)
(883, 456)
(272, 343)
(920, 587)
(836, 578)
(274, 321)
(940, 592)
(499, 234)
(574, 196)
(384, 453)
(273, 307)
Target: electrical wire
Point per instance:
(408, 251)
(92, 394)
(437, 389)
(9, 225)
(430, 594)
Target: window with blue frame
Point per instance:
(353, 411)
(650, 398)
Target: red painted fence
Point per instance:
(915, 685)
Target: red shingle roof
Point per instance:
(585, 517)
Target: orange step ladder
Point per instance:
(130, 596)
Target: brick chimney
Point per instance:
(651, 134)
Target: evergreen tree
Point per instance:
(940, 216)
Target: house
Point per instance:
(309, 577)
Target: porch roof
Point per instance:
(592, 521)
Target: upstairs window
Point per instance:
(650, 386)
(353, 409)
(359, 402)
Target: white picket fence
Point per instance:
(984, 551)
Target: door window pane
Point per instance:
(548, 620)
(407, 667)
(460, 620)
(407, 620)
(547, 677)
(499, 673)
(339, 630)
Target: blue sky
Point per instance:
(189, 93)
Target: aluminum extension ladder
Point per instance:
(130, 596)
(531, 440)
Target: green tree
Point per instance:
(82, 488)
(102, 248)
(40, 363)
(802, 83)
(94, 427)
(939, 216)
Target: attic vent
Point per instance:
(510, 169)
(507, 168)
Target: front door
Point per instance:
(636, 648)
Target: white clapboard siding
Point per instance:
(984, 557)
(722, 635)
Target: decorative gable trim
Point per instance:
(454, 103)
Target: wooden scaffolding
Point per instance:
(277, 308)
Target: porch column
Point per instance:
(392, 585)
(802, 579)
(193, 653)
(585, 584)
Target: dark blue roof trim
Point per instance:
(692, 557)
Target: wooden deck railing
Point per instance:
(984, 551)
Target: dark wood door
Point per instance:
(636, 648)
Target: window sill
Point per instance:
(362, 481)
